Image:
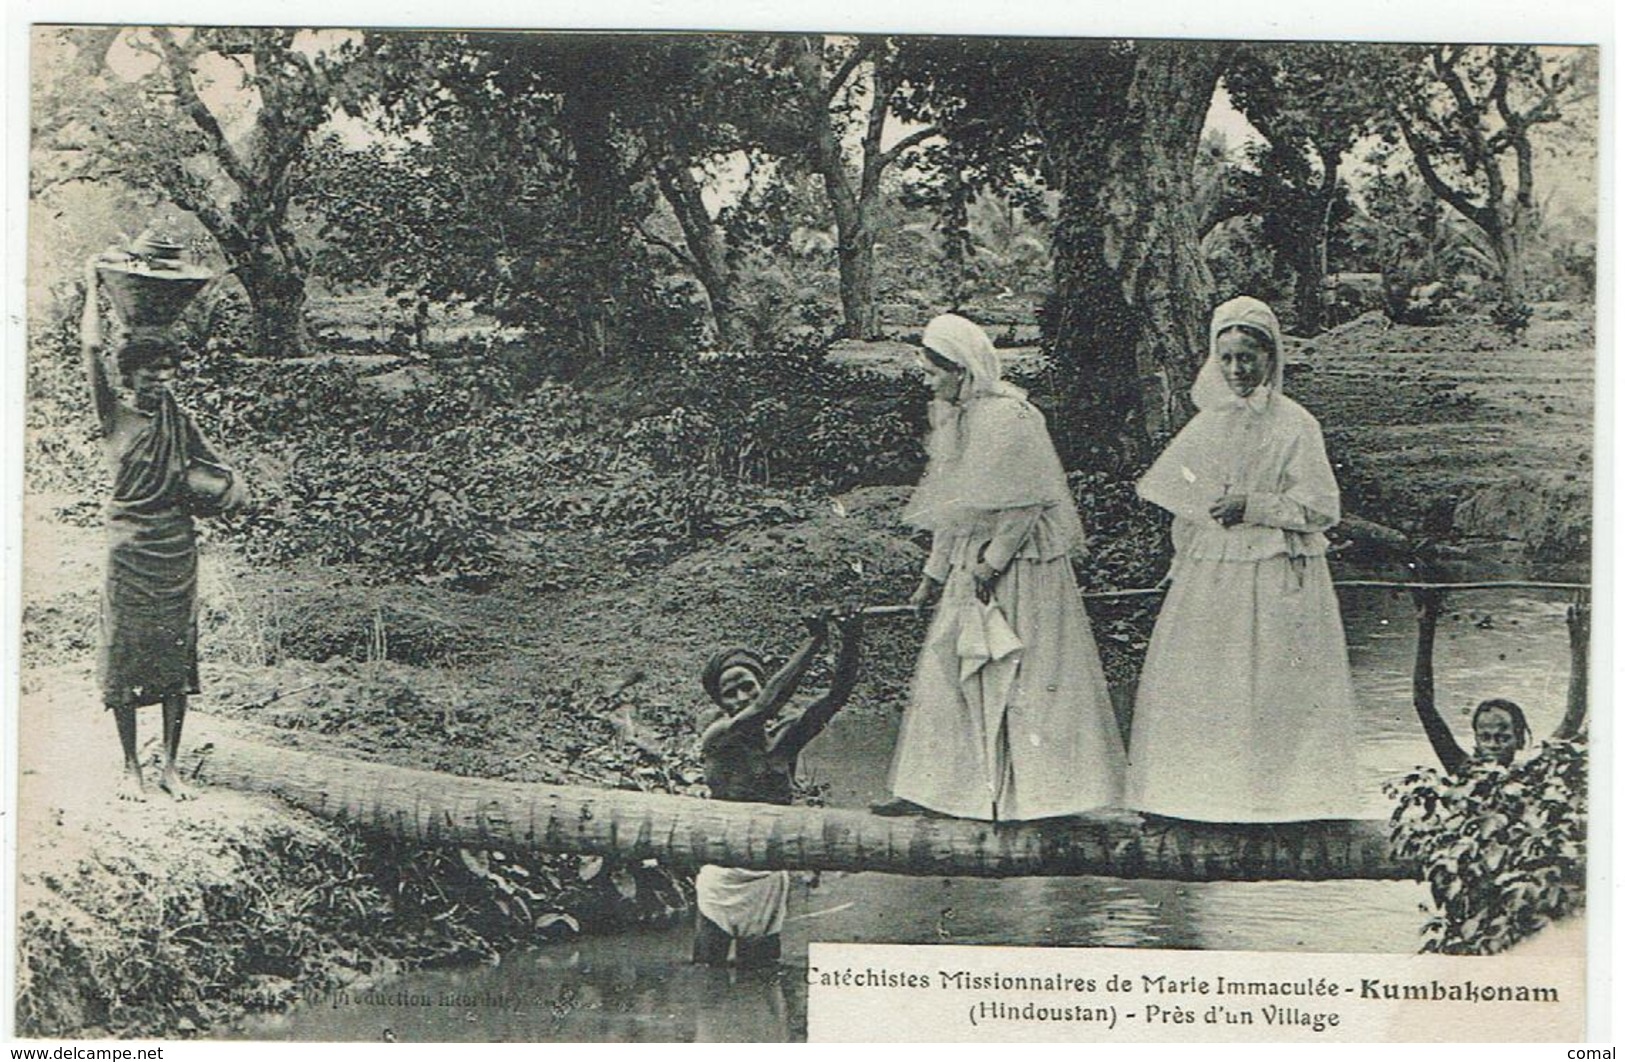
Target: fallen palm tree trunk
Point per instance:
(432, 808)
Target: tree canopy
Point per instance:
(606, 193)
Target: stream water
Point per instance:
(639, 986)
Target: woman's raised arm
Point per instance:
(90, 347)
(1429, 603)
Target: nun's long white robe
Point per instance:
(1009, 717)
(1245, 710)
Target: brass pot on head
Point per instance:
(151, 285)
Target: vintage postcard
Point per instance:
(841, 535)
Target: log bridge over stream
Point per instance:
(434, 808)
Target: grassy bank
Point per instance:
(1454, 432)
(167, 919)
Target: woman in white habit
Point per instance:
(1009, 717)
(1245, 710)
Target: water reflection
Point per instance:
(626, 988)
(640, 987)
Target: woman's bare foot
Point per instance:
(171, 783)
(132, 787)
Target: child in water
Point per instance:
(750, 748)
(1499, 726)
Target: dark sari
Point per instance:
(149, 609)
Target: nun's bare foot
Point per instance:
(132, 787)
(171, 783)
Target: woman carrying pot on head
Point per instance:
(163, 471)
(1245, 711)
(1009, 716)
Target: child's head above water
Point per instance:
(1499, 731)
(733, 677)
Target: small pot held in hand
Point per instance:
(205, 486)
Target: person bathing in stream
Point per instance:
(750, 746)
(1499, 727)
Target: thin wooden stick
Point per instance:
(1508, 584)
(1359, 584)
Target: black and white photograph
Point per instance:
(541, 534)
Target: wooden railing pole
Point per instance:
(1341, 584)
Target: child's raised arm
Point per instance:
(1429, 603)
(797, 734)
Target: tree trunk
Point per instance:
(1521, 218)
(857, 266)
(596, 173)
(1306, 293)
(853, 207)
(420, 325)
(1310, 263)
(1509, 241)
(276, 295)
(1132, 292)
(432, 808)
(1309, 269)
(707, 255)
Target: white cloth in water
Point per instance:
(744, 903)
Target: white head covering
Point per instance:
(989, 451)
(1210, 390)
(965, 344)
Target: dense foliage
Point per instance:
(657, 195)
(301, 917)
(1502, 849)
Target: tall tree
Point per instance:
(1114, 128)
(850, 87)
(701, 103)
(1312, 102)
(514, 165)
(216, 121)
(1468, 114)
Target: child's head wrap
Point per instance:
(722, 660)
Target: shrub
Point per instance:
(296, 915)
(787, 419)
(1502, 849)
(1576, 262)
(60, 445)
(388, 511)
